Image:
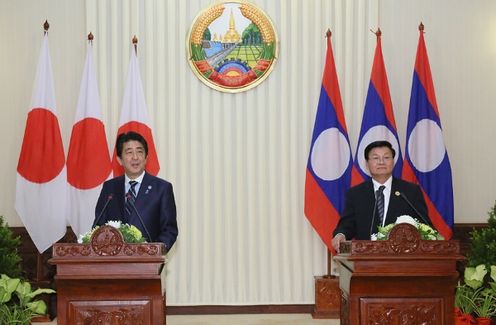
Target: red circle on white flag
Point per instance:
(88, 160)
(42, 153)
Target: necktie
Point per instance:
(130, 198)
(379, 196)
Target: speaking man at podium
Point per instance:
(380, 200)
(137, 197)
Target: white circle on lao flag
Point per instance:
(330, 154)
(376, 133)
(426, 146)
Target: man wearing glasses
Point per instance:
(380, 200)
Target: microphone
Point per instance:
(109, 198)
(398, 193)
(128, 195)
(373, 215)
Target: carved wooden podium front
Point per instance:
(403, 280)
(108, 281)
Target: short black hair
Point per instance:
(378, 144)
(129, 136)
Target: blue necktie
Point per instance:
(130, 198)
(379, 196)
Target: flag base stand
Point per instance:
(327, 297)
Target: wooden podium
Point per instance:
(402, 280)
(108, 281)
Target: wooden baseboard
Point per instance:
(228, 309)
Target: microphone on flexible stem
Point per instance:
(128, 196)
(373, 216)
(109, 198)
(398, 193)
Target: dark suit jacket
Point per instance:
(356, 220)
(154, 202)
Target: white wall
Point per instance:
(21, 23)
(461, 42)
(238, 161)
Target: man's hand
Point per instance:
(336, 241)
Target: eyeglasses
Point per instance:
(377, 159)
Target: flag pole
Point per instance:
(377, 33)
(324, 196)
(329, 252)
(40, 181)
(46, 26)
(135, 43)
(327, 285)
(329, 262)
(328, 33)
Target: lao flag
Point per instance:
(41, 187)
(378, 118)
(88, 160)
(329, 163)
(134, 117)
(426, 158)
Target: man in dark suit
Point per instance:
(359, 220)
(152, 208)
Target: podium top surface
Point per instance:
(107, 244)
(404, 241)
(108, 257)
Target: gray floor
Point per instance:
(257, 319)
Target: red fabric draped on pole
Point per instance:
(329, 164)
(426, 159)
(41, 187)
(88, 159)
(134, 116)
(378, 121)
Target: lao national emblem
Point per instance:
(232, 46)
